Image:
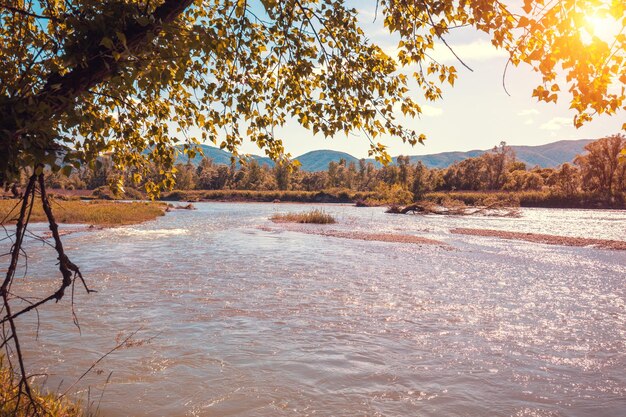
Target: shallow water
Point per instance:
(238, 317)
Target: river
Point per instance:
(236, 316)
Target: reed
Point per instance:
(97, 213)
(47, 404)
(314, 216)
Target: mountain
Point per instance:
(319, 160)
(550, 155)
(220, 156)
(444, 159)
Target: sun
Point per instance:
(603, 27)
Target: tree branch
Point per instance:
(27, 13)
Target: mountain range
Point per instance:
(550, 155)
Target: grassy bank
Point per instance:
(327, 196)
(527, 199)
(50, 404)
(98, 213)
(367, 198)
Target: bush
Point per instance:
(133, 194)
(105, 193)
(314, 216)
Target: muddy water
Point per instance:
(238, 317)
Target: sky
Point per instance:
(477, 113)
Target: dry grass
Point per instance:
(98, 213)
(314, 216)
(50, 405)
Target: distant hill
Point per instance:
(220, 156)
(319, 160)
(550, 155)
(444, 159)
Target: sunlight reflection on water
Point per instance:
(265, 322)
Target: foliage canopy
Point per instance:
(83, 77)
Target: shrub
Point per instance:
(314, 216)
(105, 193)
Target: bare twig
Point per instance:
(93, 365)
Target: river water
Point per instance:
(237, 316)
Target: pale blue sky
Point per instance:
(475, 114)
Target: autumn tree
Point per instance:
(495, 165)
(366, 175)
(136, 77)
(420, 183)
(566, 180)
(282, 174)
(601, 168)
(465, 175)
(403, 170)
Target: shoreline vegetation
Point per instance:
(314, 216)
(595, 180)
(527, 199)
(12, 404)
(97, 213)
(538, 199)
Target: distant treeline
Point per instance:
(595, 178)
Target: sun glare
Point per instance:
(606, 28)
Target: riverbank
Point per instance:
(96, 212)
(50, 404)
(538, 199)
(325, 196)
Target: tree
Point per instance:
(566, 180)
(420, 183)
(282, 175)
(496, 163)
(206, 174)
(87, 76)
(601, 168)
(403, 165)
(366, 175)
(129, 77)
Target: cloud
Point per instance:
(528, 115)
(528, 112)
(479, 50)
(367, 13)
(427, 111)
(431, 111)
(556, 123)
